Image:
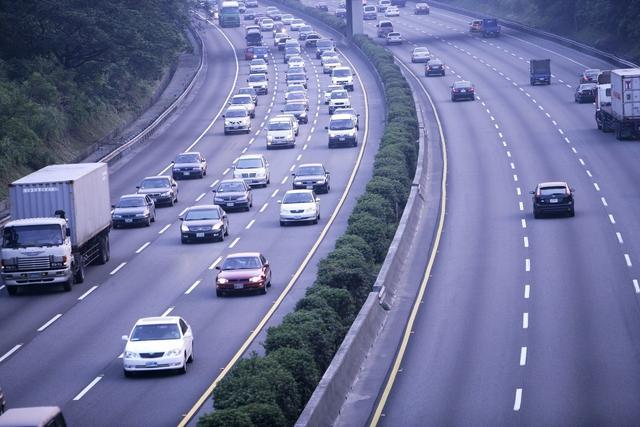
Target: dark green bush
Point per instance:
(338, 299)
(234, 417)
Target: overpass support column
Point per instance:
(354, 17)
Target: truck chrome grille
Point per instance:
(34, 263)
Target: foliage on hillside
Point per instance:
(610, 25)
(70, 69)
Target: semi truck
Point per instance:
(60, 223)
(618, 103)
(540, 71)
(490, 27)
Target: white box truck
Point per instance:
(60, 223)
(620, 114)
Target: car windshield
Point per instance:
(295, 95)
(292, 50)
(296, 77)
(249, 164)
(257, 78)
(279, 125)
(155, 183)
(267, 21)
(341, 73)
(187, 158)
(287, 16)
(309, 170)
(258, 61)
(341, 124)
(240, 100)
(231, 187)
(296, 106)
(236, 112)
(230, 10)
(339, 94)
(32, 235)
(168, 331)
(324, 44)
(421, 50)
(552, 191)
(592, 73)
(291, 198)
(241, 263)
(131, 202)
(200, 214)
(260, 51)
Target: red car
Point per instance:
(243, 272)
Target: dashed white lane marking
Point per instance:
(619, 237)
(604, 201)
(612, 219)
(518, 191)
(50, 322)
(183, 211)
(214, 263)
(581, 161)
(523, 356)
(524, 223)
(86, 294)
(298, 158)
(518, 400)
(10, 352)
(165, 228)
(226, 171)
(253, 221)
(244, 150)
(627, 258)
(115, 270)
(234, 243)
(574, 150)
(284, 180)
(143, 247)
(85, 390)
(527, 291)
(513, 166)
(589, 173)
(275, 192)
(304, 147)
(214, 183)
(251, 140)
(596, 186)
(515, 178)
(167, 311)
(521, 206)
(525, 240)
(525, 320)
(192, 287)
(509, 155)
(527, 264)
(636, 286)
(204, 194)
(263, 207)
(567, 140)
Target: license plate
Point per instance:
(463, 90)
(128, 220)
(230, 204)
(237, 286)
(199, 234)
(341, 139)
(151, 364)
(34, 275)
(187, 173)
(309, 187)
(553, 200)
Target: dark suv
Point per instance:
(553, 197)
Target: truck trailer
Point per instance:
(490, 27)
(618, 103)
(60, 223)
(540, 71)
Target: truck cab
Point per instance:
(540, 71)
(490, 27)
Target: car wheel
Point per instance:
(219, 293)
(153, 218)
(282, 224)
(226, 231)
(183, 369)
(190, 359)
(183, 240)
(172, 202)
(13, 289)
(536, 214)
(148, 223)
(263, 291)
(572, 212)
(66, 286)
(127, 374)
(78, 276)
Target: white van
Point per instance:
(370, 13)
(281, 132)
(342, 130)
(342, 76)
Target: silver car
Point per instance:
(133, 209)
(299, 206)
(204, 222)
(191, 164)
(161, 189)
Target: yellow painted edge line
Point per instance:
(203, 398)
(425, 279)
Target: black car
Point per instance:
(553, 197)
(233, 194)
(586, 92)
(435, 67)
(3, 402)
(191, 164)
(299, 110)
(312, 176)
(133, 209)
(462, 90)
(312, 39)
(204, 222)
(249, 16)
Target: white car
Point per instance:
(246, 101)
(297, 96)
(328, 54)
(383, 5)
(288, 116)
(281, 132)
(260, 82)
(296, 61)
(328, 90)
(158, 343)
(296, 24)
(329, 64)
(258, 65)
(266, 24)
(342, 131)
(420, 54)
(392, 11)
(237, 120)
(350, 111)
(253, 168)
(394, 38)
(299, 206)
(339, 98)
(287, 18)
(342, 76)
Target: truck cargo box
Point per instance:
(81, 190)
(625, 94)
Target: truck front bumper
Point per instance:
(43, 277)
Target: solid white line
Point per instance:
(523, 356)
(619, 236)
(192, 287)
(200, 197)
(87, 388)
(86, 294)
(115, 270)
(46, 325)
(525, 320)
(635, 285)
(527, 264)
(526, 241)
(214, 263)
(524, 223)
(527, 291)
(143, 247)
(521, 206)
(183, 211)
(214, 183)
(250, 224)
(604, 201)
(275, 192)
(10, 352)
(518, 401)
(165, 228)
(263, 207)
(284, 179)
(234, 243)
(167, 311)
(627, 258)
(612, 219)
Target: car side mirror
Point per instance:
(181, 218)
(68, 233)
(223, 116)
(326, 127)
(138, 187)
(279, 202)
(125, 338)
(217, 267)
(174, 185)
(113, 206)
(266, 264)
(173, 162)
(572, 190)
(532, 192)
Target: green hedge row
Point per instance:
(273, 390)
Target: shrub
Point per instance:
(234, 417)
(339, 300)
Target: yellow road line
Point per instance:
(203, 398)
(432, 257)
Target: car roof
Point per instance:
(243, 254)
(26, 417)
(310, 164)
(155, 177)
(393, 33)
(421, 48)
(553, 184)
(435, 60)
(462, 83)
(236, 107)
(158, 320)
(341, 117)
(251, 156)
(206, 207)
(302, 191)
(333, 87)
(133, 196)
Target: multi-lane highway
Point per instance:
(65, 348)
(525, 321)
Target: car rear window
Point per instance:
(550, 191)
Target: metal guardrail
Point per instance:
(541, 33)
(147, 131)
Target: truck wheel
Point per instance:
(66, 286)
(12, 289)
(103, 251)
(78, 276)
(619, 134)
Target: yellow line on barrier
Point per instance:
(432, 257)
(203, 398)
